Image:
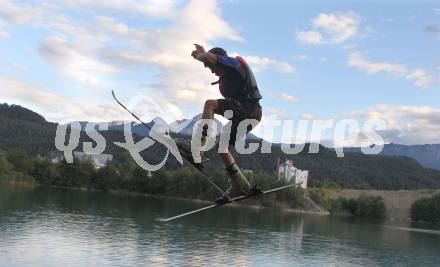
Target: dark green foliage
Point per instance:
(364, 206)
(5, 166)
(20, 161)
(426, 209)
(106, 178)
(16, 112)
(76, 174)
(44, 172)
(28, 131)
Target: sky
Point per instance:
(313, 60)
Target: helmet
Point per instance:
(216, 51)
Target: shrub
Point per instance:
(426, 209)
(365, 207)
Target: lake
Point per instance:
(55, 227)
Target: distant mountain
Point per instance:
(190, 124)
(16, 112)
(427, 155)
(21, 128)
(184, 127)
(25, 129)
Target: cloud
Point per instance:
(310, 37)
(98, 48)
(288, 98)
(4, 34)
(432, 29)
(53, 106)
(81, 67)
(91, 50)
(419, 77)
(331, 28)
(405, 124)
(259, 64)
(308, 117)
(151, 8)
(302, 56)
(181, 80)
(283, 97)
(358, 61)
(19, 13)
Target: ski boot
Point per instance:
(239, 185)
(255, 190)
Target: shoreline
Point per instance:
(277, 205)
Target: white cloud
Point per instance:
(4, 34)
(358, 61)
(340, 27)
(53, 106)
(302, 56)
(19, 13)
(405, 124)
(331, 28)
(288, 98)
(283, 97)
(83, 68)
(419, 77)
(308, 117)
(311, 37)
(182, 80)
(90, 50)
(259, 64)
(96, 48)
(151, 8)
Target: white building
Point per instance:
(99, 160)
(287, 172)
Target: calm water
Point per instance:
(55, 227)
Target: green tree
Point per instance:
(20, 161)
(44, 172)
(106, 178)
(426, 209)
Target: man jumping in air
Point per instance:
(241, 96)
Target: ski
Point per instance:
(196, 166)
(236, 199)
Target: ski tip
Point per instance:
(162, 219)
(113, 92)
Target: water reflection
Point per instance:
(51, 227)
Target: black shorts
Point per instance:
(242, 110)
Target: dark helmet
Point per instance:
(216, 51)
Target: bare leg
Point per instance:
(209, 109)
(208, 113)
(227, 158)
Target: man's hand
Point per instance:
(199, 53)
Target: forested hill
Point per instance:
(23, 129)
(428, 155)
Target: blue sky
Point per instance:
(312, 59)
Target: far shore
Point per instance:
(276, 205)
(397, 202)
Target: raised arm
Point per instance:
(201, 55)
